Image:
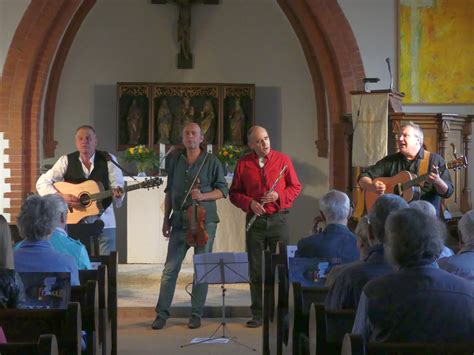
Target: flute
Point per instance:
(254, 217)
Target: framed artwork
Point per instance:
(154, 114)
(175, 105)
(238, 112)
(436, 51)
(133, 114)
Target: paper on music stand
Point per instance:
(221, 268)
(210, 341)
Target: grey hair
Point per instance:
(6, 251)
(362, 229)
(336, 206)
(59, 206)
(418, 131)
(413, 236)
(381, 209)
(251, 130)
(423, 206)
(36, 218)
(466, 228)
(86, 126)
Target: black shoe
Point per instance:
(254, 323)
(158, 323)
(194, 322)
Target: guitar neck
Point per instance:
(109, 193)
(418, 180)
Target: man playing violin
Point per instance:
(185, 168)
(409, 158)
(251, 190)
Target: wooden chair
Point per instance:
(27, 325)
(278, 326)
(46, 345)
(327, 329)
(87, 296)
(354, 345)
(269, 263)
(300, 299)
(105, 325)
(111, 261)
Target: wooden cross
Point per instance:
(185, 57)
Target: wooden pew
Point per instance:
(354, 345)
(105, 326)
(300, 299)
(330, 327)
(111, 261)
(27, 325)
(46, 345)
(269, 262)
(278, 327)
(87, 296)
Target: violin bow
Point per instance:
(194, 181)
(254, 217)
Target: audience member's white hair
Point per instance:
(466, 228)
(335, 206)
(382, 208)
(58, 205)
(423, 206)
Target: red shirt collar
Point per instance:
(267, 157)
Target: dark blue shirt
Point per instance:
(417, 304)
(336, 244)
(461, 264)
(347, 287)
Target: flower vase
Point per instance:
(230, 167)
(141, 169)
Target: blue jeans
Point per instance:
(177, 249)
(107, 241)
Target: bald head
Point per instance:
(258, 140)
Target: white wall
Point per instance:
(237, 41)
(11, 12)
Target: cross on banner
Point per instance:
(185, 57)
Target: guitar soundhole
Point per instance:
(85, 199)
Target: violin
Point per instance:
(197, 234)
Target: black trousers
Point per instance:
(266, 232)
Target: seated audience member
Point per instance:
(12, 293)
(60, 240)
(420, 302)
(462, 264)
(362, 236)
(336, 243)
(428, 208)
(36, 222)
(347, 287)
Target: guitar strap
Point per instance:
(424, 164)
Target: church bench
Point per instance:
(46, 345)
(105, 327)
(111, 261)
(87, 296)
(27, 325)
(354, 344)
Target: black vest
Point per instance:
(74, 173)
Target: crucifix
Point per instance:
(185, 57)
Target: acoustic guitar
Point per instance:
(90, 194)
(407, 185)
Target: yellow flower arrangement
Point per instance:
(229, 154)
(145, 157)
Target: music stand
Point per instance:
(221, 268)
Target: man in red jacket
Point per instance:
(254, 176)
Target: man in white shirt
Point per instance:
(87, 163)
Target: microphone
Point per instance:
(166, 154)
(390, 72)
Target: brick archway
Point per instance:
(41, 43)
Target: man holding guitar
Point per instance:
(411, 158)
(85, 164)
